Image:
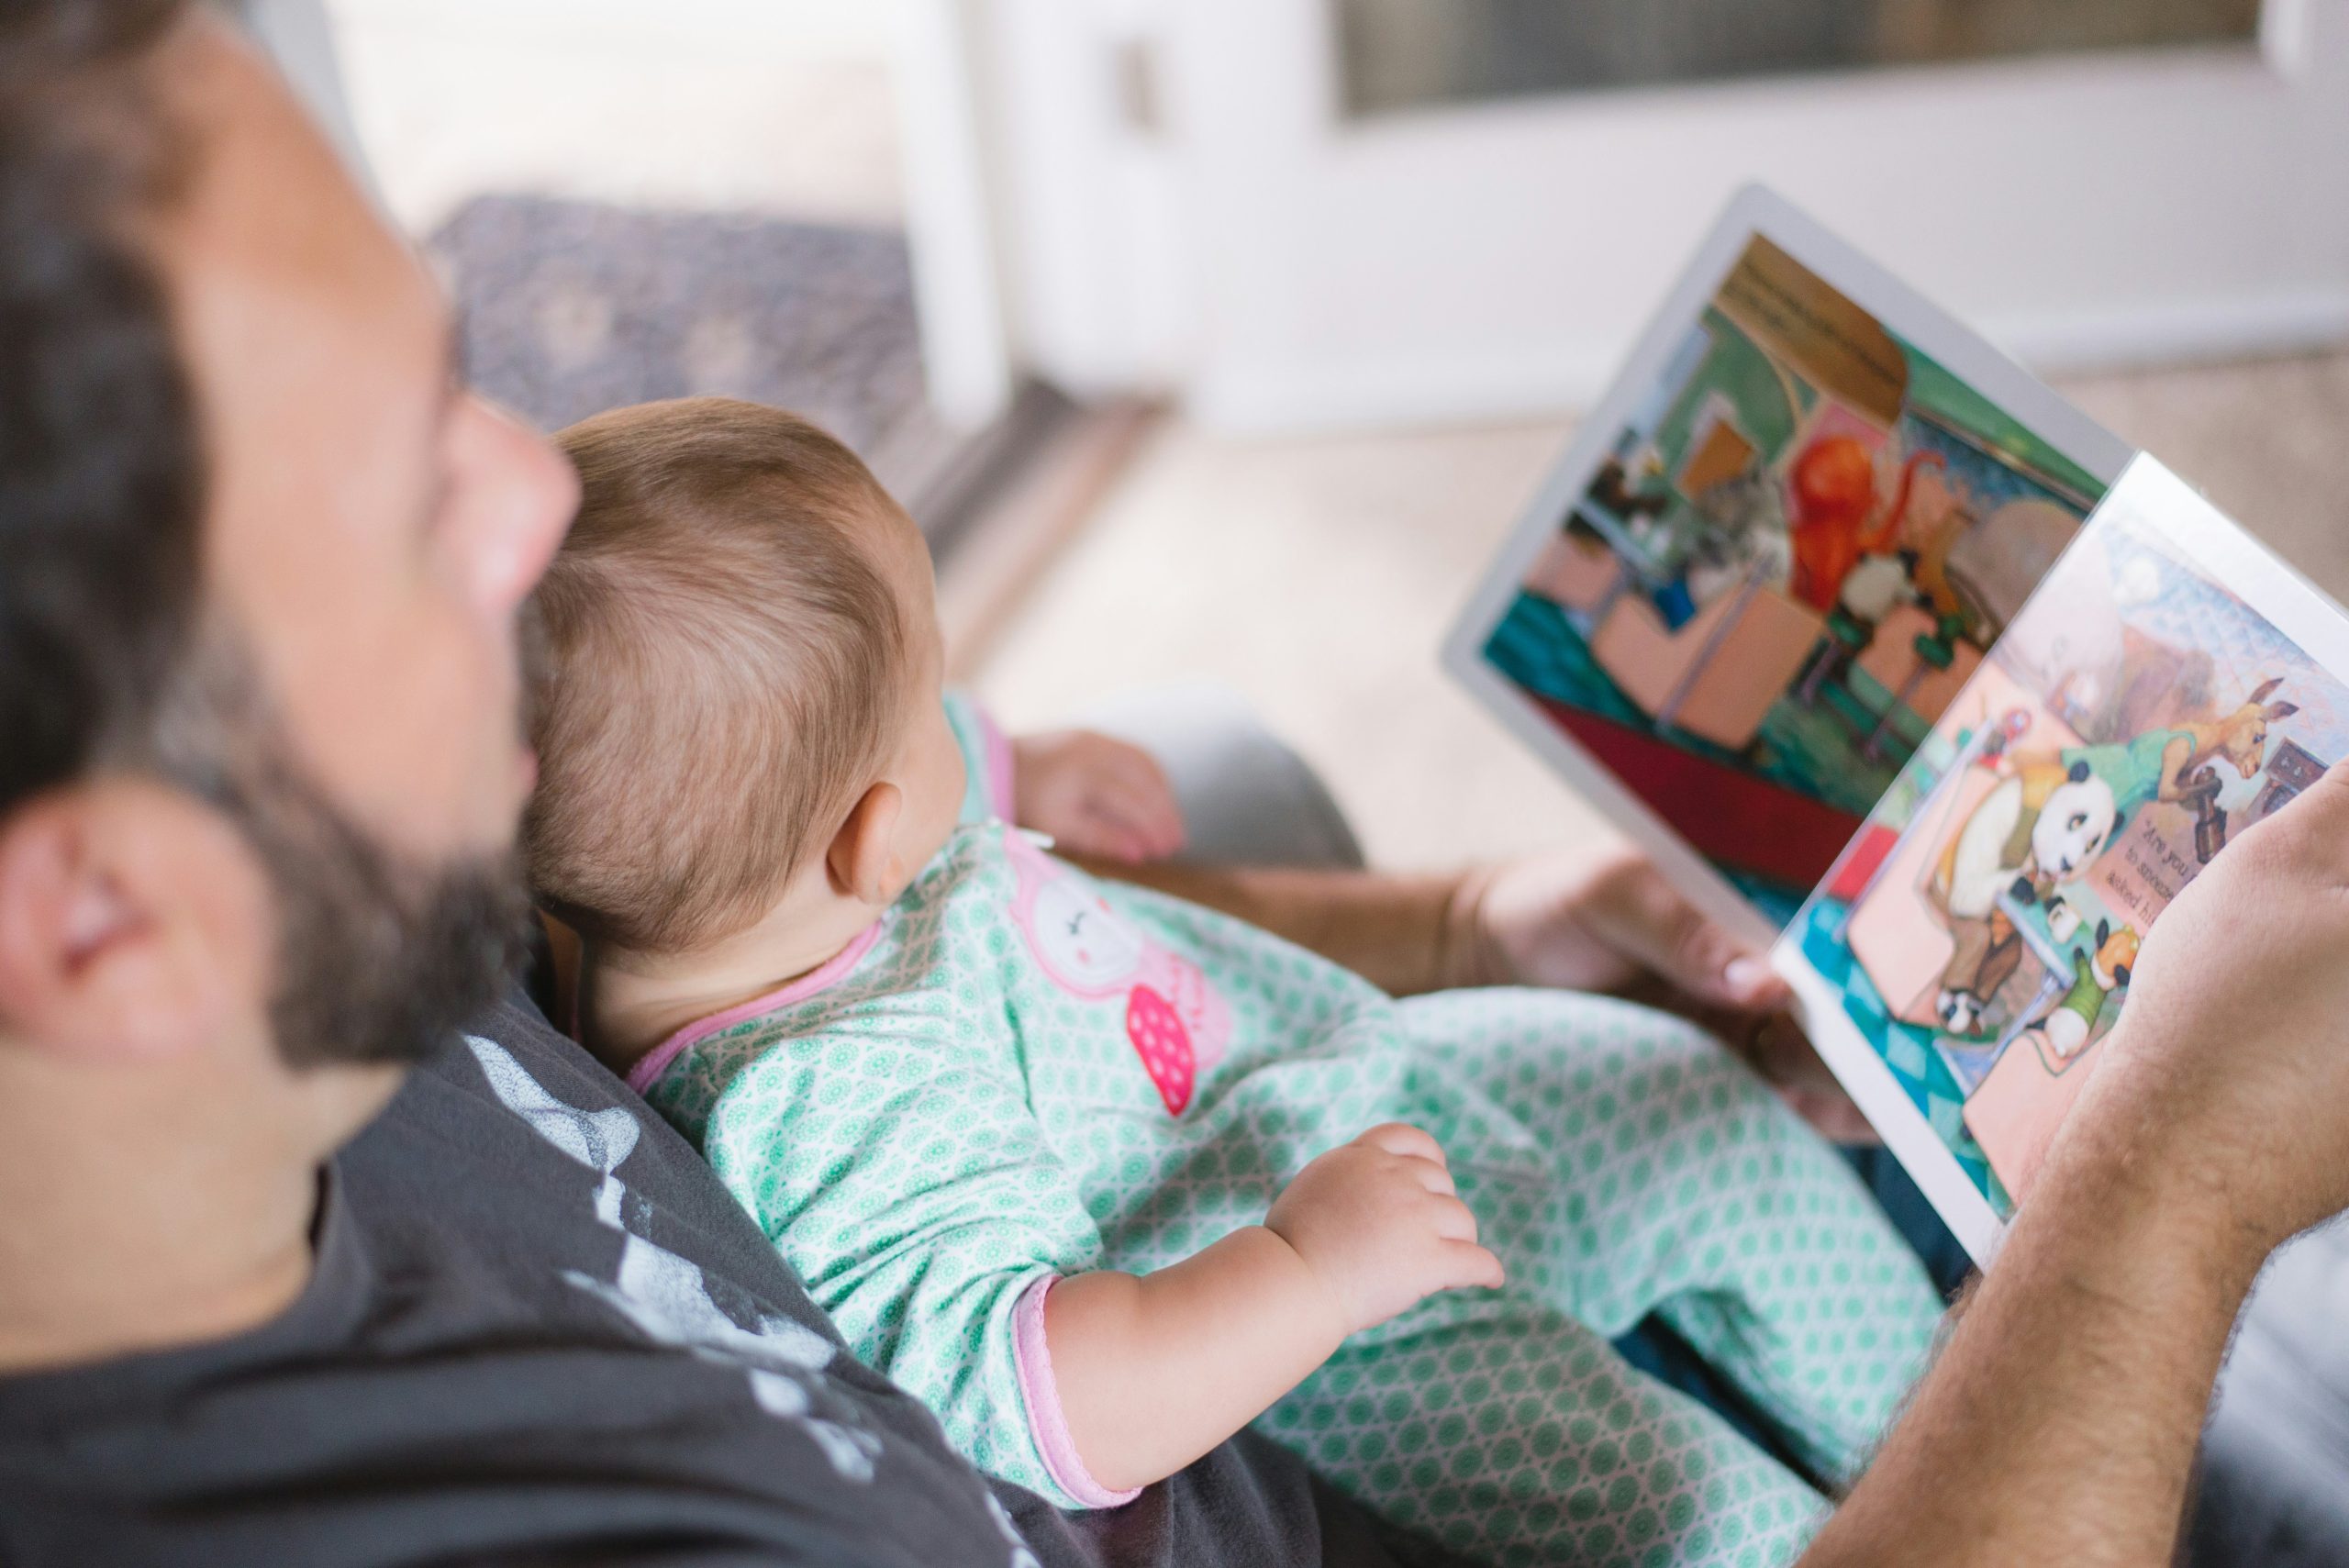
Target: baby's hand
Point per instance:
(1095, 795)
(1379, 1221)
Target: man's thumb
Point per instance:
(1708, 964)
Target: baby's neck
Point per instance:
(630, 1001)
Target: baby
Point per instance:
(1102, 1176)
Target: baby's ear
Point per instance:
(862, 862)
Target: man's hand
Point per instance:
(2058, 1425)
(1614, 924)
(2230, 1061)
(1095, 795)
(1378, 1222)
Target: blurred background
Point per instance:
(1228, 338)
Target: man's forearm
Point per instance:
(1405, 934)
(2060, 1422)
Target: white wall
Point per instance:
(1278, 268)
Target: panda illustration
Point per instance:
(2041, 827)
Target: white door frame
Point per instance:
(952, 235)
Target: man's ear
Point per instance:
(134, 924)
(862, 859)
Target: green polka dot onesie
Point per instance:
(1019, 1075)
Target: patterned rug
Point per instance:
(571, 307)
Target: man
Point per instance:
(260, 557)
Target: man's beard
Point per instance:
(379, 955)
(378, 958)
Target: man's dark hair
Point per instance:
(101, 478)
(109, 657)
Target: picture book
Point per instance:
(1898, 665)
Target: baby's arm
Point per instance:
(1153, 1371)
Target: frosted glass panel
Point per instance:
(1405, 53)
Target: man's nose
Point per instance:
(529, 493)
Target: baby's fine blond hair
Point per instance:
(722, 666)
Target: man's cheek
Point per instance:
(440, 749)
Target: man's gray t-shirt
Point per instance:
(539, 1331)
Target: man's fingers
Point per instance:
(2313, 828)
(1749, 982)
(1781, 1053)
(1831, 1114)
(1656, 926)
(1402, 1138)
(2319, 820)
(1778, 1049)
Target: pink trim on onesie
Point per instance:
(999, 775)
(647, 1072)
(1046, 1420)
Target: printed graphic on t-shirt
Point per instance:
(668, 1300)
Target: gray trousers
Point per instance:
(2275, 1481)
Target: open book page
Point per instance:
(2168, 685)
(1775, 554)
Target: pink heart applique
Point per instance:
(1157, 1031)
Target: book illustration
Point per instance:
(1981, 928)
(1894, 662)
(1785, 567)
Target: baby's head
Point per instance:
(738, 721)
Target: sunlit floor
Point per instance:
(1317, 578)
